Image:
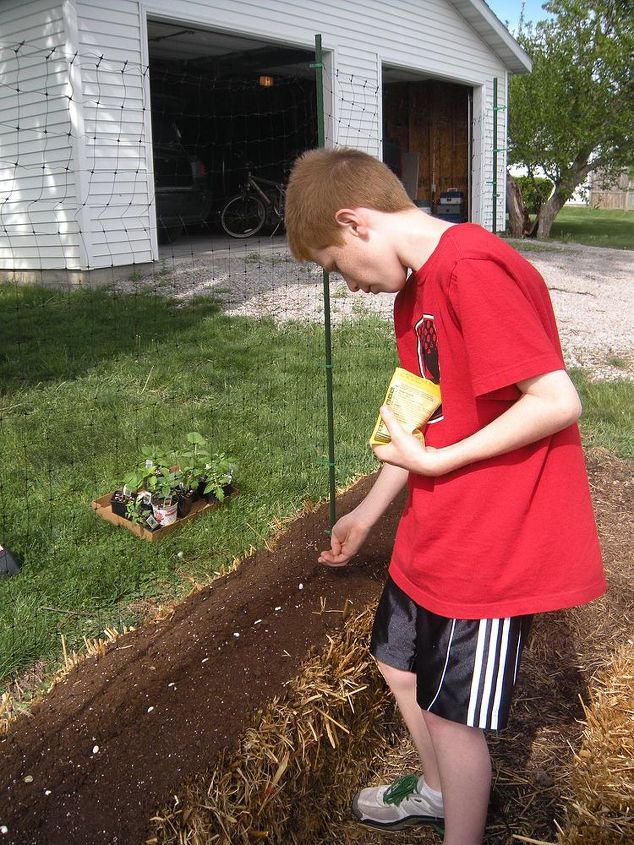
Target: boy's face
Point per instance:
(368, 263)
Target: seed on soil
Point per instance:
(28, 779)
(278, 608)
(204, 660)
(149, 710)
(47, 792)
(236, 634)
(172, 684)
(95, 749)
(257, 621)
(4, 829)
(301, 586)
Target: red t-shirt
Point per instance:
(508, 535)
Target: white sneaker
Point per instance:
(404, 803)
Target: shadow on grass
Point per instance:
(50, 335)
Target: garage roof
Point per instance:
(494, 34)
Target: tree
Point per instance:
(575, 112)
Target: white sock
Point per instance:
(434, 796)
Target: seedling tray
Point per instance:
(103, 509)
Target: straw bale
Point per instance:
(294, 773)
(602, 809)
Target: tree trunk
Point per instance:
(549, 210)
(519, 221)
(564, 189)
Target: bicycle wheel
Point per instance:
(243, 216)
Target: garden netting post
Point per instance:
(321, 139)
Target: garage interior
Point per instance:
(227, 103)
(426, 141)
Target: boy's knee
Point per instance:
(397, 679)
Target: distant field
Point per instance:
(595, 227)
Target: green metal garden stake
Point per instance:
(321, 140)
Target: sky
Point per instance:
(509, 10)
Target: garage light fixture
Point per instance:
(267, 81)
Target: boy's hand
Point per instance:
(346, 539)
(409, 451)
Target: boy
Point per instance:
(498, 523)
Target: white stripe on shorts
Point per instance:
(517, 654)
(477, 669)
(488, 677)
(499, 682)
(493, 685)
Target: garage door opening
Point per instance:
(427, 141)
(222, 106)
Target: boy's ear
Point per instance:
(353, 220)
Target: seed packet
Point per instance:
(412, 399)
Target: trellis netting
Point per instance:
(138, 307)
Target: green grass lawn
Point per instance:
(608, 413)
(89, 378)
(595, 227)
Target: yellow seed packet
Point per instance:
(412, 399)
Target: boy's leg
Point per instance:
(465, 776)
(403, 687)
(455, 760)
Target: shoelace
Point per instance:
(400, 789)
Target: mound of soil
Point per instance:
(112, 742)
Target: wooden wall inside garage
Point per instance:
(431, 119)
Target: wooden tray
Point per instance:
(103, 509)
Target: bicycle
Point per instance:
(260, 202)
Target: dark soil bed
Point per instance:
(166, 699)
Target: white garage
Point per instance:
(88, 87)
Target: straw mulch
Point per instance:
(295, 771)
(602, 811)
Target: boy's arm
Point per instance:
(548, 404)
(351, 530)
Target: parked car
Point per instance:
(181, 190)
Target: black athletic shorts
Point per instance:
(465, 668)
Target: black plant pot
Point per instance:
(119, 503)
(185, 503)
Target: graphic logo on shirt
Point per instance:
(427, 349)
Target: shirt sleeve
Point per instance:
(507, 326)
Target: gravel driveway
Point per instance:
(592, 290)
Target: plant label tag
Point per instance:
(153, 523)
(147, 498)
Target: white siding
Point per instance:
(357, 92)
(39, 225)
(117, 149)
